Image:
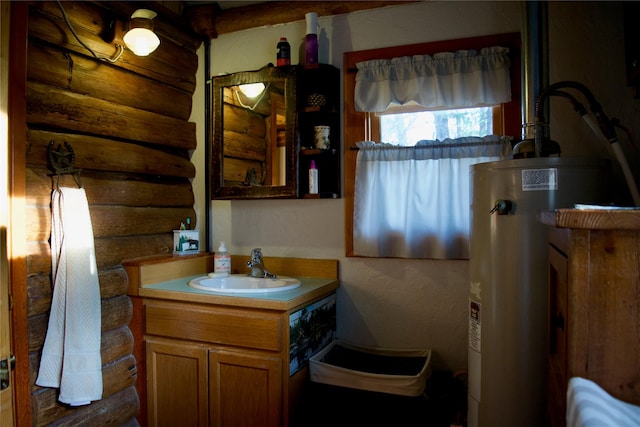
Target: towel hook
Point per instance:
(62, 161)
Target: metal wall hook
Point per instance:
(62, 162)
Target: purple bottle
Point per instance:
(311, 40)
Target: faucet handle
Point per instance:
(256, 254)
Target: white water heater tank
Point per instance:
(508, 300)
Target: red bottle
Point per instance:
(283, 54)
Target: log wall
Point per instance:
(128, 125)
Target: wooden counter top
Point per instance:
(592, 219)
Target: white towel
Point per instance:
(588, 405)
(71, 353)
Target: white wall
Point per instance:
(392, 302)
(586, 44)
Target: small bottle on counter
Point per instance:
(283, 52)
(313, 178)
(222, 260)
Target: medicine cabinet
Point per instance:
(263, 145)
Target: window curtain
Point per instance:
(414, 202)
(466, 78)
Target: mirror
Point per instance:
(254, 144)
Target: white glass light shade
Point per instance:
(252, 90)
(141, 39)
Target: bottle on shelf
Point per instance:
(283, 52)
(311, 40)
(313, 178)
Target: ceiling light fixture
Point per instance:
(140, 38)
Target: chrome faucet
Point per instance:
(257, 266)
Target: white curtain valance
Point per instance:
(445, 80)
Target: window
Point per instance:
(508, 113)
(407, 128)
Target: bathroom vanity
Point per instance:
(221, 358)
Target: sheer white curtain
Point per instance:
(414, 202)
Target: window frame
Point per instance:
(507, 119)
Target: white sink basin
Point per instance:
(242, 283)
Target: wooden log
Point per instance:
(38, 331)
(103, 154)
(110, 251)
(171, 64)
(113, 410)
(34, 365)
(110, 221)
(115, 312)
(113, 189)
(126, 221)
(38, 294)
(38, 255)
(113, 282)
(242, 146)
(54, 107)
(117, 374)
(279, 12)
(114, 345)
(78, 74)
(122, 373)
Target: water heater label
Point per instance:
(539, 179)
(474, 325)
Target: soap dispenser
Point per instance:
(222, 260)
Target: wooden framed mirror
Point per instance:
(254, 144)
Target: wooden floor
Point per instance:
(443, 404)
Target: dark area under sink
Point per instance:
(443, 404)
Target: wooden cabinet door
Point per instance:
(177, 393)
(245, 389)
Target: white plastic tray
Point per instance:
(410, 381)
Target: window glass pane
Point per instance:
(411, 127)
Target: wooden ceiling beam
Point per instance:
(281, 12)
